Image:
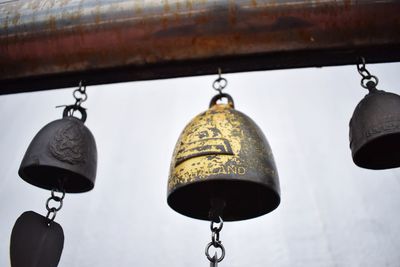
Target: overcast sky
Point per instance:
(332, 213)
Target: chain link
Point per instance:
(215, 242)
(80, 94)
(51, 215)
(219, 228)
(220, 83)
(52, 211)
(368, 80)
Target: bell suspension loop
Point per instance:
(219, 84)
(80, 96)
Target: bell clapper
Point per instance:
(368, 80)
(216, 243)
(52, 211)
(217, 209)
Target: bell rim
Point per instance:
(89, 183)
(362, 148)
(267, 190)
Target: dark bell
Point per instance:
(62, 156)
(223, 166)
(375, 131)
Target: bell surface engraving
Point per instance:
(68, 143)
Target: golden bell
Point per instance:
(223, 157)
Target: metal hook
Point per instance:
(82, 84)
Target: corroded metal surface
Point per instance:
(53, 44)
(223, 155)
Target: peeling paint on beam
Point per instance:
(55, 43)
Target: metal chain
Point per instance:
(368, 81)
(52, 211)
(216, 243)
(220, 83)
(80, 94)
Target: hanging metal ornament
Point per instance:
(222, 168)
(62, 157)
(37, 241)
(375, 126)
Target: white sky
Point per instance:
(332, 213)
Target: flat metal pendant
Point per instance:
(34, 243)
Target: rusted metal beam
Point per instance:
(47, 44)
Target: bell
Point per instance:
(223, 163)
(375, 131)
(62, 156)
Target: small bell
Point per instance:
(223, 157)
(375, 127)
(62, 155)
